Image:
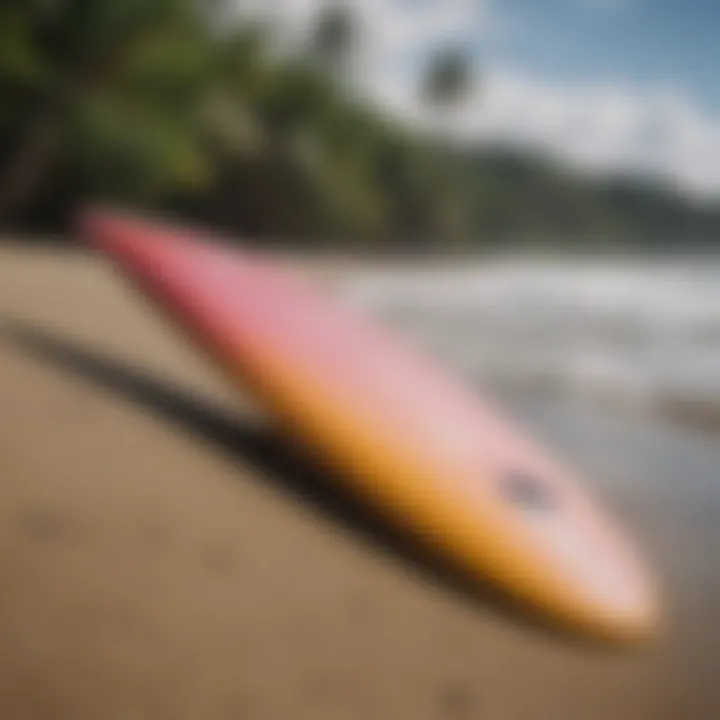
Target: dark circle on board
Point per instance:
(528, 492)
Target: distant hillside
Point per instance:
(526, 197)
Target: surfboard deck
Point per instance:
(404, 437)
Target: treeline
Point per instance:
(183, 106)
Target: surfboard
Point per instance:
(401, 434)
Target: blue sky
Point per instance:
(609, 86)
(650, 42)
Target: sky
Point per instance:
(608, 86)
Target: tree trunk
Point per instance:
(23, 175)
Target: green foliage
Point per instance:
(20, 63)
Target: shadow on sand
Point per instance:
(277, 461)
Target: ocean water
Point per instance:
(645, 334)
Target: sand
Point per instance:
(162, 558)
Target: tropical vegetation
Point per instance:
(187, 107)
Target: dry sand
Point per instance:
(158, 560)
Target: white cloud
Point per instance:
(400, 26)
(602, 128)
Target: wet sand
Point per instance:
(162, 558)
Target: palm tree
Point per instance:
(447, 79)
(444, 86)
(333, 38)
(102, 79)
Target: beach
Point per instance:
(163, 558)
